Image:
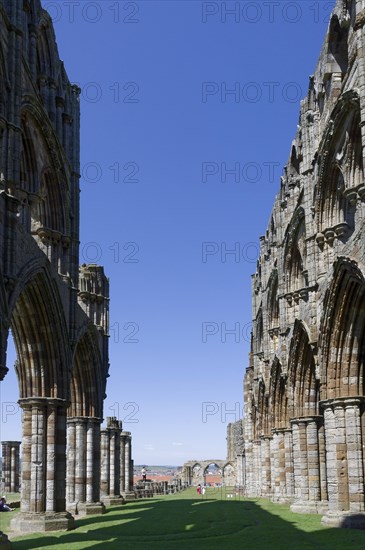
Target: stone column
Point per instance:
(278, 464)
(83, 465)
(128, 494)
(187, 475)
(281, 465)
(240, 470)
(256, 455)
(11, 466)
(127, 458)
(345, 462)
(43, 467)
(105, 463)
(265, 467)
(249, 470)
(122, 463)
(71, 462)
(110, 462)
(307, 473)
(289, 466)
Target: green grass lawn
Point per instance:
(185, 520)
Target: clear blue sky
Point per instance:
(158, 131)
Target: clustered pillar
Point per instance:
(126, 466)
(11, 466)
(43, 485)
(110, 462)
(83, 465)
(310, 477)
(265, 466)
(345, 460)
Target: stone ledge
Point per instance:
(129, 495)
(27, 522)
(309, 507)
(113, 501)
(349, 520)
(90, 508)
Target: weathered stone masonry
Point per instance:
(10, 466)
(304, 424)
(57, 311)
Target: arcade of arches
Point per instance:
(56, 310)
(198, 472)
(303, 432)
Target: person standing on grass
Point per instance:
(199, 489)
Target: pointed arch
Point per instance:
(341, 169)
(337, 46)
(88, 378)
(296, 253)
(343, 332)
(278, 396)
(46, 48)
(262, 425)
(302, 374)
(41, 338)
(273, 300)
(44, 182)
(258, 332)
(49, 211)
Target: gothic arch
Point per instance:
(258, 331)
(88, 378)
(44, 189)
(49, 210)
(46, 48)
(343, 333)
(273, 300)
(278, 396)
(337, 46)
(212, 463)
(47, 168)
(341, 169)
(302, 374)
(41, 338)
(262, 424)
(296, 253)
(228, 474)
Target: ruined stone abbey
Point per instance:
(56, 310)
(302, 438)
(303, 430)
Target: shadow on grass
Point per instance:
(193, 523)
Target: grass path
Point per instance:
(186, 521)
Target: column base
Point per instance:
(113, 501)
(28, 522)
(90, 508)
(129, 495)
(309, 507)
(350, 520)
(5, 544)
(282, 499)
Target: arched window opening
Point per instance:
(296, 252)
(338, 46)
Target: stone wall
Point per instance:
(304, 420)
(235, 445)
(57, 311)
